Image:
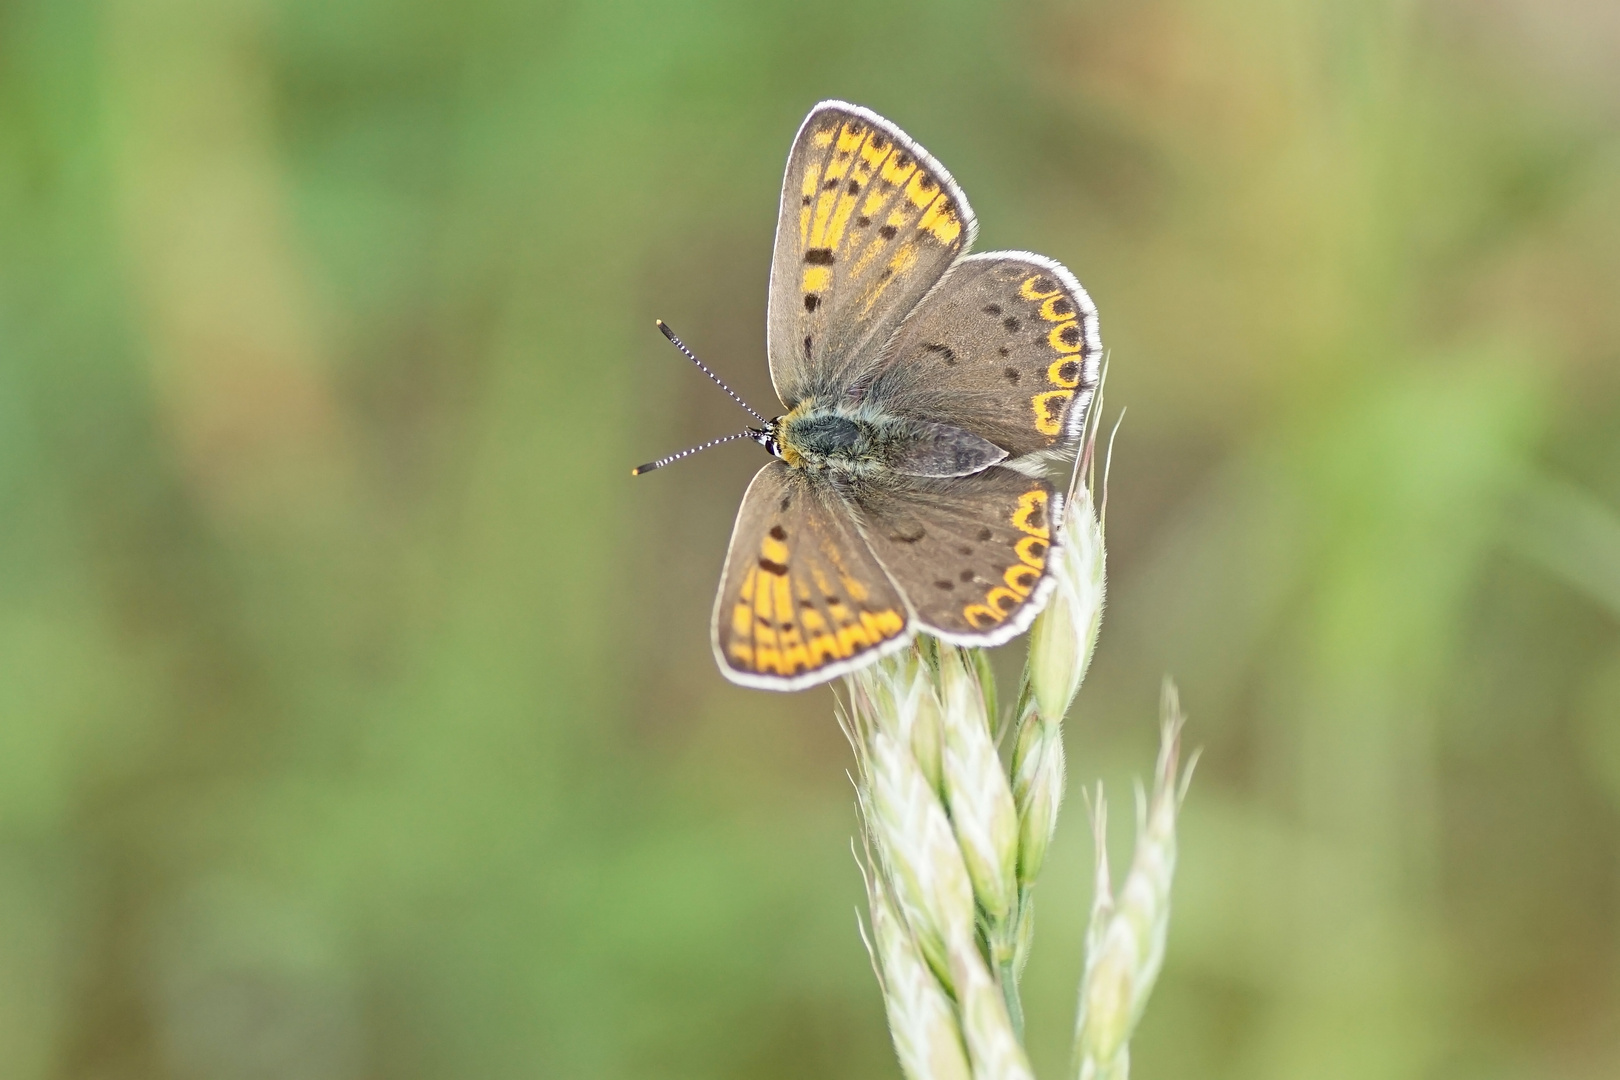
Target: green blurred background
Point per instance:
(357, 717)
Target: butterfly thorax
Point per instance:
(859, 441)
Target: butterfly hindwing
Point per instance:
(971, 552)
(802, 598)
(1006, 347)
(869, 222)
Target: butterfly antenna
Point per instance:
(661, 462)
(705, 369)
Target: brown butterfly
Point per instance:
(925, 391)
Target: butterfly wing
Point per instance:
(1006, 347)
(972, 551)
(869, 222)
(801, 599)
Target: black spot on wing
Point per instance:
(946, 585)
(1070, 335)
(778, 533)
(993, 310)
(819, 256)
(984, 535)
(945, 351)
(779, 569)
(966, 575)
(887, 232)
(863, 221)
(1011, 323)
(811, 301)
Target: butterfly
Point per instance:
(926, 390)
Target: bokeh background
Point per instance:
(357, 717)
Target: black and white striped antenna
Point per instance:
(681, 345)
(661, 462)
(747, 433)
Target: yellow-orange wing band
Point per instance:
(802, 600)
(869, 222)
(972, 553)
(1006, 347)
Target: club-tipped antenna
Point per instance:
(663, 326)
(661, 462)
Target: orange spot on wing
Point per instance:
(1000, 593)
(882, 625)
(1029, 517)
(896, 173)
(840, 221)
(1049, 408)
(824, 648)
(1057, 376)
(973, 613)
(921, 189)
(1020, 578)
(1027, 289)
(824, 209)
(1032, 550)
(940, 219)
(783, 602)
(852, 637)
(1049, 308)
(856, 591)
(1057, 340)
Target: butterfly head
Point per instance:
(770, 437)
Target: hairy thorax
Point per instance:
(856, 441)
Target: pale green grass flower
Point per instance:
(957, 823)
(1126, 939)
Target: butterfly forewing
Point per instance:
(802, 599)
(971, 552)
(869, 222)
(1007, 347)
